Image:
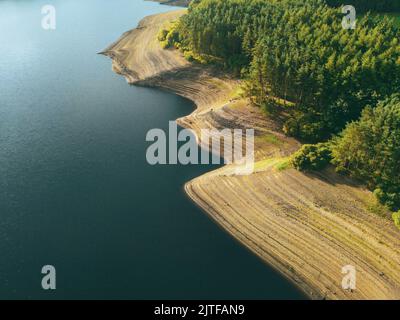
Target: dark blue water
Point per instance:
(76, 191)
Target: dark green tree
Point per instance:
(369, 149)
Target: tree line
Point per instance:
(363, 5)
(369, 5)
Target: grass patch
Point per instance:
(217, 83)
(270, 139)
(238, 104)
(375, 207)
(279, 164)
(284, 164)
(238, 92)
(264, 164)
(396, 219)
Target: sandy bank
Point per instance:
(306, 226)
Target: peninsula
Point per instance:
(306, 225)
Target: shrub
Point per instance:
(312, 157)
(169, 38)
(305, 126)
(162, 35)
(386, 195)
(189, 56)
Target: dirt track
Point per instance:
(306, 226)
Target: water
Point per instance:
(75, 189)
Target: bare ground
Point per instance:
(308, 226)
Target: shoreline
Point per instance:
(306, 226)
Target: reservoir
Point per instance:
(76, 191)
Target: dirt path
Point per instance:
(307, 226)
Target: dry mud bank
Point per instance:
(307, 226)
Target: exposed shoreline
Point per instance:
(307, 226)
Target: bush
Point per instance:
(162, 35)
(291, 127)
(312, 157)
(172, 38)
(169, 38)
(386, 195)
(306, 127)
(189, 56)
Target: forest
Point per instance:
(338, 85)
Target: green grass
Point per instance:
(271, 139)
(375, 207)
(285, 164)
(396, 219)
(279, 164)
(264, 164)
(238, 92)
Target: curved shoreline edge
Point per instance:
(306, 226)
